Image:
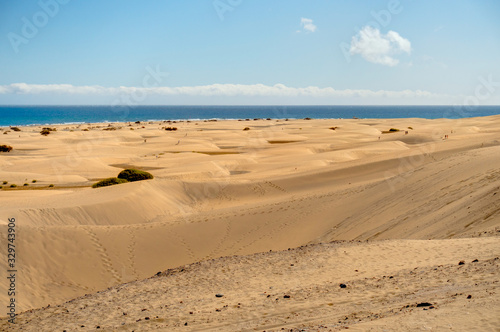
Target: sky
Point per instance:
(240, 52)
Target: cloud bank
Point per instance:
(378, 48)
(229, 90)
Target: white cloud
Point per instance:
(307, 24)
(228, 90)
(378, 48)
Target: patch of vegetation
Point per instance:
(109, 128)
(85, 129)
(410, 128)
(5, 182)
(333, 128)
(246, 128)
(33, 181)
(393, 129)
(107, 182)
(15, 129)
(45, 131)
(13, 185)
(26, 184)
(132, 175)
(171, 128)
(51, 186)
(307, 118)
(5, 148)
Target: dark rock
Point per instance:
(475, 261)
(343, 286)
(219, 295)
(461, 263)
(186, 324)
(469, 297)
(146, 318)
(424, 304)
(286, 296)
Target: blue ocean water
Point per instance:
(39, 115)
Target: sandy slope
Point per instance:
(299, 290)
(219, 191)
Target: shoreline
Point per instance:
(123, 123)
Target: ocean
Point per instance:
(41, 115)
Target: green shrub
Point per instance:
(15, 129)
(45, 132)
(51, 186)
(5, 148)
(5, 182)
(13, 185)
(246, 128)
(33, 181)
(108, 182)
(134, 175)
(26, 184)
(393, 129)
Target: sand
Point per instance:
(409, 206)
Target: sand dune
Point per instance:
(221, 191)
(394, 284)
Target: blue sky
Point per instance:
(249, 52)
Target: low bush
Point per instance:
(51, 186)
(107, 182)
(393, 129)
(171, 128)
(5, 148)
(15, 129)
(45, 132)
(132, 175)
(246, 128)
(13, 185)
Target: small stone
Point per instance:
(461, 263)
(286, 296)
(146, 318)
(475, 261)
(469, 297)
(343, 286)
(186, 324)
(219, 295)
